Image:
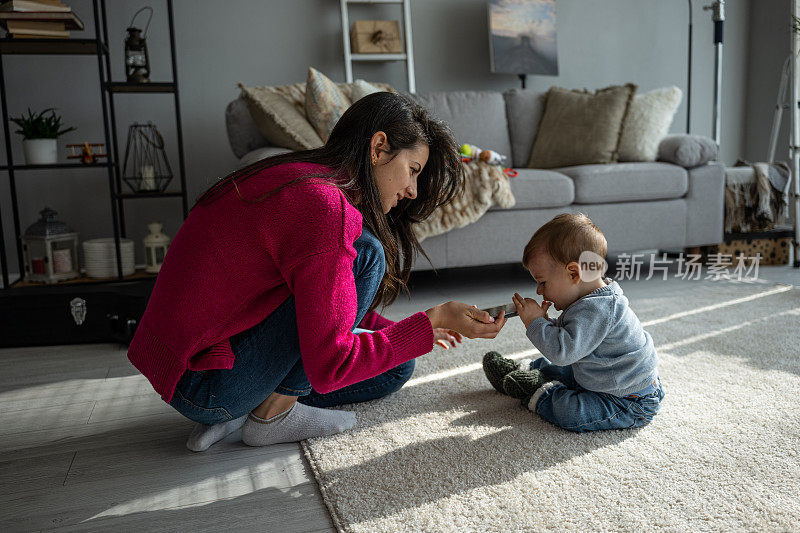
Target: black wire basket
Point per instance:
(146, 169)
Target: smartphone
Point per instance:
(510, 310)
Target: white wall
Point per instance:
(600, 42)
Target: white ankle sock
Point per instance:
(203, 436)
(298, 423)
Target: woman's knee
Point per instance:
(370, 255)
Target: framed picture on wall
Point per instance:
(522, 37)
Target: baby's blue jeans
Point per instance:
(268, 359)
(570, 406)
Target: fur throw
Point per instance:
(484, 186)
(758, 201)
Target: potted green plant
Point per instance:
(39, 132)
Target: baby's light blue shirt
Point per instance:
(602, 339)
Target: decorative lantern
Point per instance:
(50, 248)
(155, 247)
(146, 168)
(137, 62)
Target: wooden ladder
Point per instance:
(408, 56)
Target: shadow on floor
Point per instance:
(451, 465)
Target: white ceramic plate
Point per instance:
(100, 257)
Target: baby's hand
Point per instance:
(529, 310)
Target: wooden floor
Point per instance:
(85, 443)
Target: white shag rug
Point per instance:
(448, 453)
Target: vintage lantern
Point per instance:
(155, 247)
(50, 248)
(137, 62)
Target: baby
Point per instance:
(599, 365)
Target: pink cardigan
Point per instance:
(232, 263)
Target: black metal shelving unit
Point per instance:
(99, 48)
(114, 88)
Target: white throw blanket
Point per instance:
(484, 186)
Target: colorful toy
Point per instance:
(86, 155)
(470, 152)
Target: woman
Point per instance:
(258, 300)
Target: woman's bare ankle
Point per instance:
(274, 405)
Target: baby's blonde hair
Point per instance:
(565, 237)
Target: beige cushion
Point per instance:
(325, 103)
(279, 120)
(279, 113)
(361, 89)
(580, 127)
(647, 123)
(296, 92)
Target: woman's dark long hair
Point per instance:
(347, 153)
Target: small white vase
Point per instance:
(40, 151)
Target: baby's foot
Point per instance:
(495, 366)
(521, 384)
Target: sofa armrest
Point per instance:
(243, 134)
(705, 205)
(688, 151)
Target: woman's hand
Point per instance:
(444, 336)
(466, 320)
(528, 309)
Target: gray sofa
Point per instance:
(638, 206)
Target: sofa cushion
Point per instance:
(688, 151)
(627, 182)
(477, 117)
(581, 128)
(325, 103)
(278, 120)
(243, 132)
(534, 189)
(524, 109)
(648, 121)
(361, 89)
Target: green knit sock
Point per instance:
(522, 384)
(495, 366)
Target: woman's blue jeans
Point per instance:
(570, 406)
(268, 359)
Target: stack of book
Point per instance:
(38, 19)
